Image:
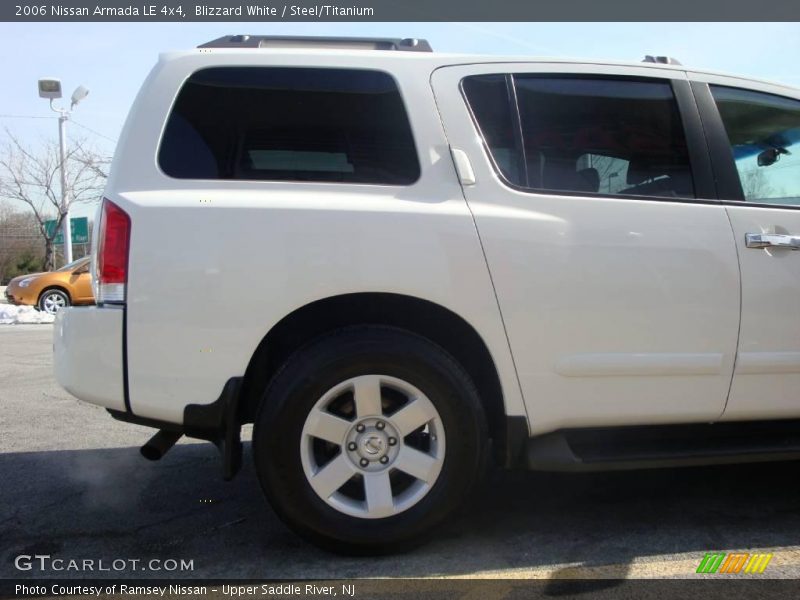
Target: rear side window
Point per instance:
(592, 136)
(286, 124)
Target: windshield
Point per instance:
(73, 265)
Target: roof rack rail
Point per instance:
(330, 43)
(661, 60)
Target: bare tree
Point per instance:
(756, 186)
(93, 161)
(33, 177)
(20, 244)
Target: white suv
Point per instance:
(402, 266)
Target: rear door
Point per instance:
(614, 265)
(755, 135)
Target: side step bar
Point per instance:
(619, 448)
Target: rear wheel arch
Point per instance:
(440, 325)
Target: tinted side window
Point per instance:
(603, 136)
(284, 124)
(764, 133)
(596, 136)
(490, 102)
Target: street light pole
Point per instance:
(51, 89)
(62, 147)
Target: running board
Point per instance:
(641, 447)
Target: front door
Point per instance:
(761, 129)
(614, 266)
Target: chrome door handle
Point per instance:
(772, 240)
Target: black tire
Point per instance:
(317, 368)
(45, 303)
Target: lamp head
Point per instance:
(79, 94)
(50, 88)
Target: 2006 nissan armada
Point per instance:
(404, 266)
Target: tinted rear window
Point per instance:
(285, 124)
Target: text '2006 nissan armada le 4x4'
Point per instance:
(437, 262)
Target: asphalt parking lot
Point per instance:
(74, 487)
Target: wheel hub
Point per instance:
(372, 444)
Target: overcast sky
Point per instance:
(112, 59)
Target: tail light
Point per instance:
(112, 254)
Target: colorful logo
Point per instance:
(735, 562)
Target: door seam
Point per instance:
(701, 116)
(485, 258)
(739, 328)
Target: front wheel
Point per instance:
(368, 438)
(51, 301)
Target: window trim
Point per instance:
(729, 183)
(705, 186)
(702, 175)
(225, 182)
(516, 123)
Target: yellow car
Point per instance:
(69, 285)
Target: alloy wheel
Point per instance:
(372, 446)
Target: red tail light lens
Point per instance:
(112, 254)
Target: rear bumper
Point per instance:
(87, 352)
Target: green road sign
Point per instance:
(79, 227)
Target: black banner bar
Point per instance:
(266, 11)
(710, 588)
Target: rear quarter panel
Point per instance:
(215, 264)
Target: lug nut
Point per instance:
(360, 427)
(351, 446)
(384, 459)
(380, 425)
(364, 462)
(392, 441)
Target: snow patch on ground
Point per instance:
(14, 315)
